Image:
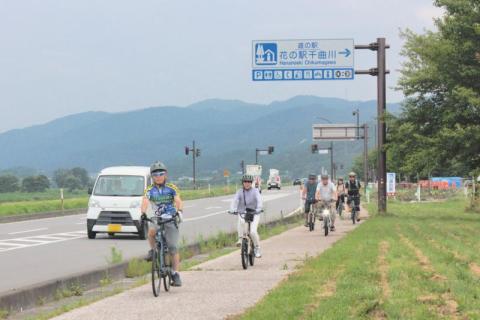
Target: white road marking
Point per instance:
(266, 198)
(190, 206)
(209, 208)
(49, 238)
(45, 219)
(34, 241)
(205, 216)
(26, 231)
(7, 244)
(28, 240)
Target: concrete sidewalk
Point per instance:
(220, 287)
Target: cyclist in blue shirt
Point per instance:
(165, 201)
(308, 194)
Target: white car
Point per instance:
(274, 182)
(115, 201)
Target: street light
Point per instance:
(357, 113)
(258, 151)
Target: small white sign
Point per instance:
(391, 183)
(323, 151)
(334, 131)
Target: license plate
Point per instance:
(114, 227)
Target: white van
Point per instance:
(274, 180)
(115, 201)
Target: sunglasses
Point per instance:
(246, 181)
(158, 174)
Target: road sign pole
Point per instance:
(380, 71)
(381, 106)
(256, 156)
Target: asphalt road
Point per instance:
(35, 251)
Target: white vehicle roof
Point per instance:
(126, 170)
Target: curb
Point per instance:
(41, 215)
(19, 299)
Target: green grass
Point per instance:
(415, 263)
(49, 194)
(28, 207)
(27, 203)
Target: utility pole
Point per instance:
(365, 156)
(380, 72)
(194, 166)
(332, 176)
(195, 153)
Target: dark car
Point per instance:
(297, 182)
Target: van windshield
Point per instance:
(119, 186)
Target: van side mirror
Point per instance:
(90, 190)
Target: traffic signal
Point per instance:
(314, 148)
(197, 152)
(187, 150)
(270, 149)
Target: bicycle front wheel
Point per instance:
(251, 256)
(244, 253)
(156, 277)
(167, 280)
(325, 226)
(354, 215)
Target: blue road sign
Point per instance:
(311, 59)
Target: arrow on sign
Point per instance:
(346, 52)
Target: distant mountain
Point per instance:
(226, 131)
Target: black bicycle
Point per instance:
(247, 252)
(161, 262)
(353, 208)
(312, 214)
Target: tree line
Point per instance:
(438, 131)
(71, 179)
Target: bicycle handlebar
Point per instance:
(160, 220)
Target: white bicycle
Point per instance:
(327, 212)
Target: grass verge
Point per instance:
(421, 261)
(31, 206)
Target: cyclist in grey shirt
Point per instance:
(248, 198)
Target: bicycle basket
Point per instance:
(249, 215)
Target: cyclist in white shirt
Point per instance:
(326, 192)
(248, 199)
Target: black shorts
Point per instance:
(308, 204)
(356, 201)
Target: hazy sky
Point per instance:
(59, 57)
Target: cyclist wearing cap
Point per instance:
(165, 201)
(327, 192)
(308, 194)
(353, 190)
(248, 198)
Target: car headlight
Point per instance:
(94, 203)
(135, 204)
